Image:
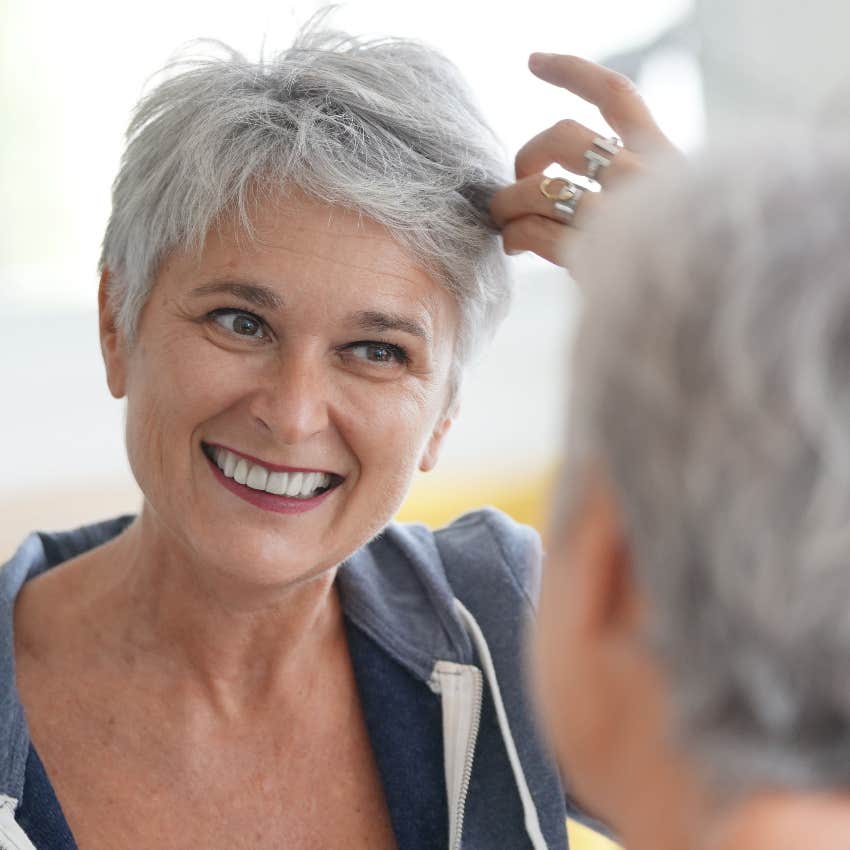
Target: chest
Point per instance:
(293, 803)
(128, 775)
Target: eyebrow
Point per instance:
(253, 293)
(373, 320)
(267, 298)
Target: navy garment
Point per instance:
(406, 732)
(408, 752)
(40, 814)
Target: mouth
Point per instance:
(283, 482)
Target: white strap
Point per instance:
(532, 822)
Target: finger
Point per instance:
(566, 143)
(613, 94)
(524, 198)
(538, 234)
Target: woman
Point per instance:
(298, 264)
(698, 568)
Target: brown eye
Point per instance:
(237, 322)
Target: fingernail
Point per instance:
(537, 60)
(512, 252)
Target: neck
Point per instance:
(679, 818)
(787, 820)
(240, 643)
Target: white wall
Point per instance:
(771, 60)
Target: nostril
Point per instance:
(263, 423)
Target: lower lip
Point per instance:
(268, 501)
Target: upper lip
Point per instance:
(273, 467)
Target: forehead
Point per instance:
(300, 244)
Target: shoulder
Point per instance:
(488, 540)
(402, 586)
(483, 549)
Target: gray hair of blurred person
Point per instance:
(711, 387)
(385, 127)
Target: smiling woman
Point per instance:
(301, 257)
(298, 264)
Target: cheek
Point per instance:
(567, 680)
(389, 425)
(387, 431)
(172, 388)
(552, 648)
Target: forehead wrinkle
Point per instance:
(399, 253)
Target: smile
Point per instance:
(293, 484)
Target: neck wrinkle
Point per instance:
(232, 643)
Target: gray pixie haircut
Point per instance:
(384, 127)
(711, 388)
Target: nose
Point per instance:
(291, 401)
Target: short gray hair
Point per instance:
(384, 127)
(711, 387)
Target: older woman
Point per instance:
(698, 587)
(299, 262)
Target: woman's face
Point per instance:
(311, 363)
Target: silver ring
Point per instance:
(595, 160)
(567, 208)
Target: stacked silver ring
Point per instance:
(596, 160)
(567, 208)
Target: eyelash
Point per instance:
(402, 358)
(398, 352)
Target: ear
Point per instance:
(112, 342)
(610, 601)
(432, 449)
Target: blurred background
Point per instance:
(71, 73)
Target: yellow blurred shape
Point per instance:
(439, 497)
(584, 838)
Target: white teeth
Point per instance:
(294, 487)
(292, 484)
(309, 483)
(257, 478)
(277, 483)
(240, 474)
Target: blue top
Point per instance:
(398, 594)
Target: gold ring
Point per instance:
(566, 193)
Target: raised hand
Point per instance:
(533, 213)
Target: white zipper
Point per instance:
(461, 688)
(12, 837)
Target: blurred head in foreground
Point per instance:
(694, 638)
